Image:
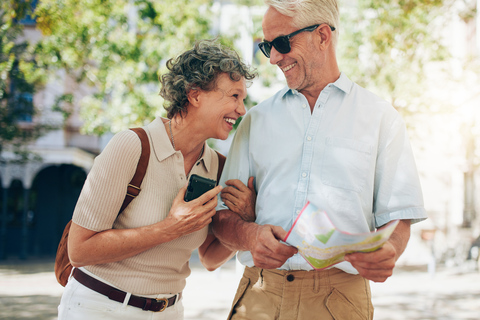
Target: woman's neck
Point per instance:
(186, 139)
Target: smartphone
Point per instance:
(197, 186)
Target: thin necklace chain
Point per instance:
(171, 134)
(173, 141)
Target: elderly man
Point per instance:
(326, 140)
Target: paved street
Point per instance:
(30, 291)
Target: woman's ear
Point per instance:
(194, 97)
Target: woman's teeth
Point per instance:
(230, 120)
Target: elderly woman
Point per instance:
(143, 259)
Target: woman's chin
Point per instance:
(222, 136)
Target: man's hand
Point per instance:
(263, 241)
(378, 265)
(267, 251)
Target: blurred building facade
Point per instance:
(448, 160)
(37, 198)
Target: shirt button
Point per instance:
(309, 138)
(298, 211)
(304, 106)
(290, 277)
(304, 174)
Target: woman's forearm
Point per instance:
(213, 253)
(87, 247)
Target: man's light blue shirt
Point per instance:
(351, 157)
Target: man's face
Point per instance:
(301, 65)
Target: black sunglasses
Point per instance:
(282, 43)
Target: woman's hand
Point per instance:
(187, 217)
(240, 199)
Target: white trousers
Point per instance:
(80, 302)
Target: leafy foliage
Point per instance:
(118, 47)
(386, 46)
(20, 75)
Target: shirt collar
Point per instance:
(343, 83)
(162, 146)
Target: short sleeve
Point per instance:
(397, 192)
(106, 184)
(237, 163)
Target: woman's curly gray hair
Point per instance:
(199, 68)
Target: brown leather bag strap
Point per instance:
(133, 188)
(63, 267)
(221, 163)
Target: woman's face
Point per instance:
(221, 107)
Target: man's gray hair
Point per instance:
(309, 12)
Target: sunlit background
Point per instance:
(75, 72)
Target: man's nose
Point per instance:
(275, 56)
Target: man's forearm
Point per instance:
(232, 231)
(399, 238)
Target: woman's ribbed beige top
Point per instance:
(164, 268)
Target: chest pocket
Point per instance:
(345, 163)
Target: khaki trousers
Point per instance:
(305, 295)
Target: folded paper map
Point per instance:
(323, 245)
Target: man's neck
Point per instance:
(312, 94)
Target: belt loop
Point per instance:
(316, 281)
(148, 303)
(71, 274)
(127, 299)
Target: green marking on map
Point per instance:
(320, 264)
(325, 236)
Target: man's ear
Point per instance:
(325, 35)
(194, 97)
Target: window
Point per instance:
(21, 97)
(29, 20)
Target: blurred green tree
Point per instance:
(118, 47)
(20, 77)
(387, 46)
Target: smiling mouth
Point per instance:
(289, 67)
(230, 120)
